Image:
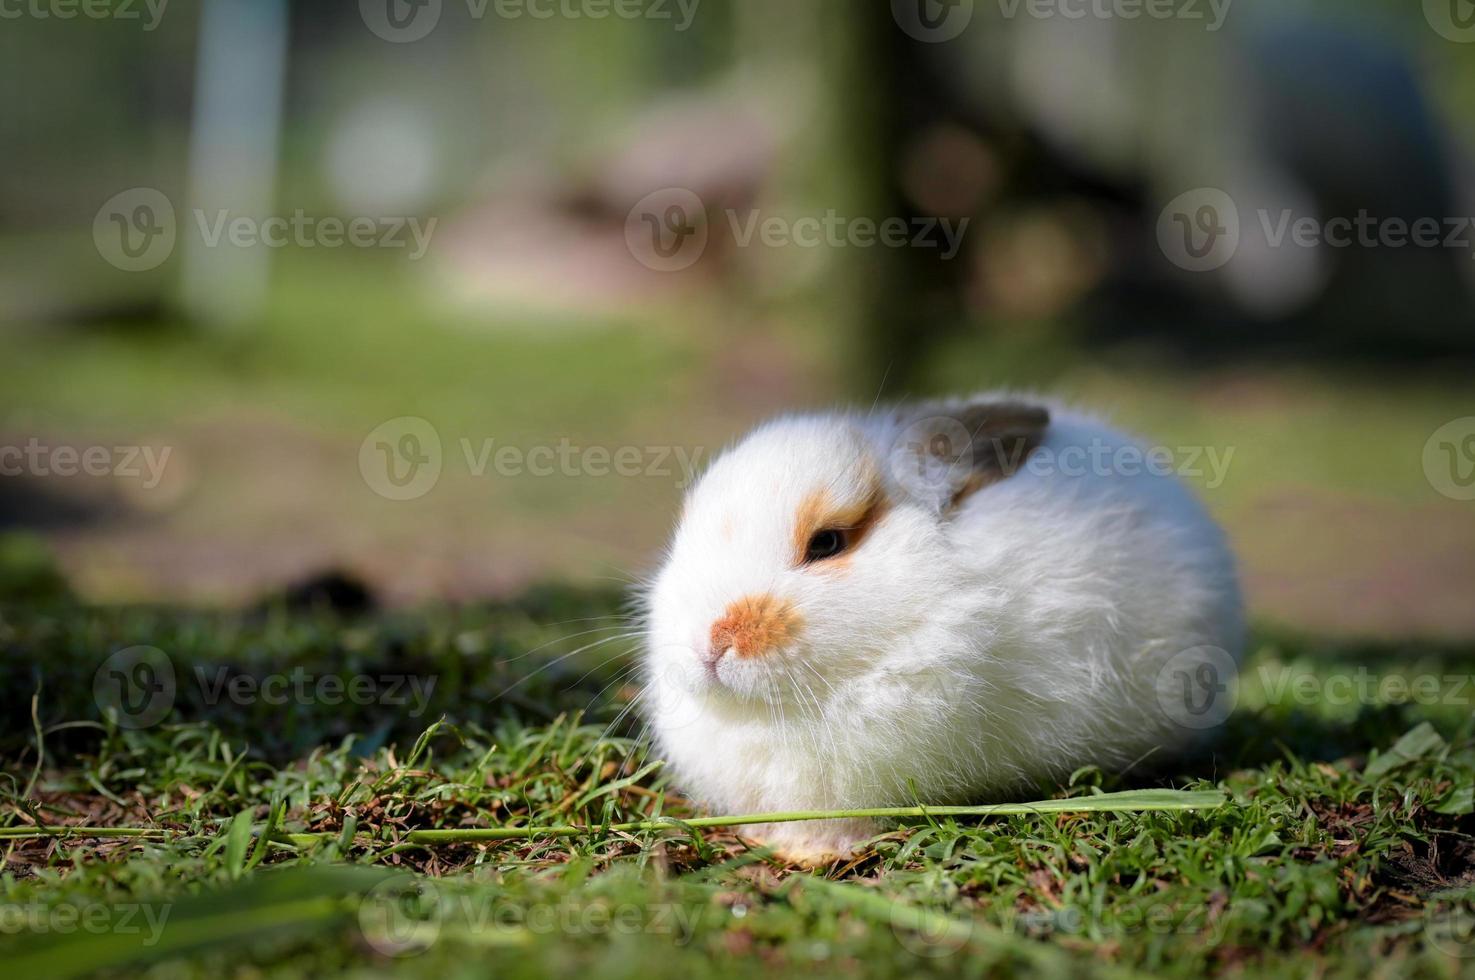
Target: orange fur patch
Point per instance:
(817, 513)
(754, 625)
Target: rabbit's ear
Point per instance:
(942, 453)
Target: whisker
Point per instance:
(560, 639)
(558, 660)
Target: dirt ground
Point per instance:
(254, 503)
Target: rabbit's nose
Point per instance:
(710, 657)
(751, 626)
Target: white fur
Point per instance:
(959, 656)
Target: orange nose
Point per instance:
(754, 625)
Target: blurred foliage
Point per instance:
(28, 571)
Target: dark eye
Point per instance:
(826, 544)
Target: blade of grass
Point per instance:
(237, 840)
(1130, 801)
(273, 821)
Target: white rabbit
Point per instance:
(942, 603)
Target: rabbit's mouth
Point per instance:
(780, 680)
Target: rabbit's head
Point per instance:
(816, 550)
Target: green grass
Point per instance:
(1344, 851)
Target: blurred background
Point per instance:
(423, 300)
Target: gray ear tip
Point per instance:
(1023, 414)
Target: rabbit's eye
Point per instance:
(827, 544)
